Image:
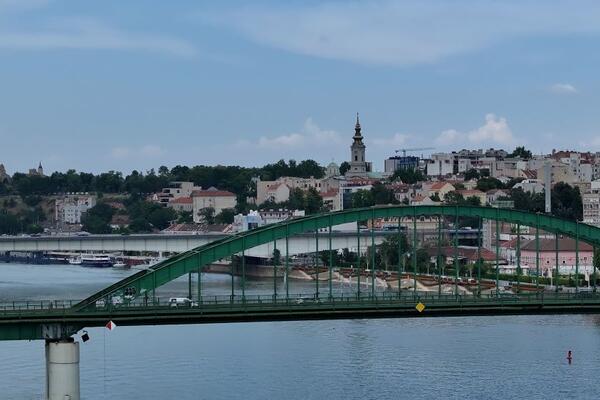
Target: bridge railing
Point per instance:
(33, 308)
(33, 305)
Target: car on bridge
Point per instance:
(182, 302)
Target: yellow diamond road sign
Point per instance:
(420, 307)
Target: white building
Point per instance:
(185, 204)
(280, 189)
(68, 209)
(256, 219)
(175, 190)
(530, 185)
(218, 200)
(441, 164)
(332, 200)
(591, 204)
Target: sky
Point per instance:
(123, 85)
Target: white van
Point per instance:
(181, 302)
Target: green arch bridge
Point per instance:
(133, 300)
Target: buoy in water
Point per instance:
(569, 356)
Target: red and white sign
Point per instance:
(111, 325)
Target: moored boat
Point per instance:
(120, 264)
(75, 261)
(96, 260)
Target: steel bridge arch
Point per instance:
(195, 259)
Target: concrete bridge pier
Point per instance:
(62, 369)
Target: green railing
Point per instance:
(58, 307)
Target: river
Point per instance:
(504, 357)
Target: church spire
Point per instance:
(357, 133)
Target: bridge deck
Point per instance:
(30, 320)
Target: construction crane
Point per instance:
(413, 149)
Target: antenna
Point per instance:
(413, 149)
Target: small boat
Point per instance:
(75, 261)
(96, 260)
(120, 264)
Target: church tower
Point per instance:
(358, 165)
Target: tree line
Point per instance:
(233, 178)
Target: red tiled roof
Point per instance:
(472, 192)
(330, 193)
(494, 191)
(469, 253)
(564, 244)
(509, 244)
(212, 193)
(182, 200)
(438, 185)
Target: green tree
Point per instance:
(313, 202)
(185, 217)
(408, 175)
(472, 201)
(208, 215)
(566, 201)
(140, 225)
(296, 200)
(161, 217)
(471, 174)
(454, 197)
(277, 257)
(97, 219)
(226, 216)
(95, 224)
(33, 229)
(389, 249)
(9, 224)
(527, 201)
(382, 195)
(308, 168)
(488, 183)
(521, 152)
(344, 167)
(362, 198)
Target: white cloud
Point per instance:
(119, 152)
(399, 139)
(389, 32)
(85, 34)
(146, 151)
(495, 130)
(448, 137)
(291, 140)
(563, 88)
(310, 135)
(151, 150)
(593, 143)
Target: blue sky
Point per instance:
(138, 84)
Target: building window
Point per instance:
(355, 158)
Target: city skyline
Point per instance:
(132, 86)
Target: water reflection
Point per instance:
(504, 357)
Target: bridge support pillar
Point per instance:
(62, 369)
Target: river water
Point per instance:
(476, 357)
